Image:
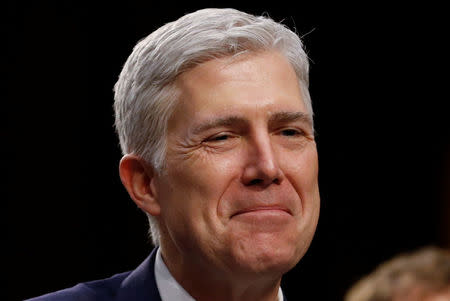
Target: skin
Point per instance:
(442, 295)
(238, 201)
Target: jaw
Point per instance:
(269, 249)
(235, 278)
(243, 260)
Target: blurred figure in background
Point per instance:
(423, 275)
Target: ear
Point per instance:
(138, 177)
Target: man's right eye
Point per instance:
(220, 137)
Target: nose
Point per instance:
(261, 166)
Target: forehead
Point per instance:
(262, 82)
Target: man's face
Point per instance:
(240, 191)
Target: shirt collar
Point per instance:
(170, 289)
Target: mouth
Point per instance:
(263, 210)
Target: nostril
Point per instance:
(261, 181)
(255, 182)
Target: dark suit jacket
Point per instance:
(137, 285)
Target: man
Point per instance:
(215, 122)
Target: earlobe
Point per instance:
(138, 177)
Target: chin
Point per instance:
(266, 255)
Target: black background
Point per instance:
(379, 84)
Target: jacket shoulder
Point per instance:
(98, 290)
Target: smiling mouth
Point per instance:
(264, 210)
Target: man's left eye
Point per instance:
(290, 132)
(220, 138)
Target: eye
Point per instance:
(291, 132)
(219, 138)
(221, 141)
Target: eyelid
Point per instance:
(292, 128)
(215, 136)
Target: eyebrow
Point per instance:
(276, 118)
(288, 117)
(219, 122)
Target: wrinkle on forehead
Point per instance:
(224, 87)
(221, 70)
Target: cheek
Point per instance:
(208, 177)
(191, 197)
(197, 184)
(302, 171)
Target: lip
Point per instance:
(262, 209)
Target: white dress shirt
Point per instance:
(170, 289)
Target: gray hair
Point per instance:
(145, 94)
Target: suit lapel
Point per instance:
(140, 285)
